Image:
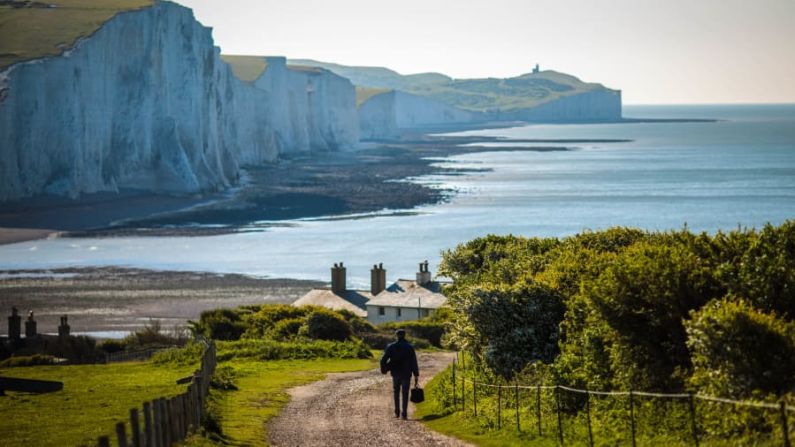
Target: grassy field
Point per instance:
(94, 398)
(261, 393)
(246, 68)
(29, 33)
(365, 93)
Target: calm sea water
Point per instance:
(710, 176)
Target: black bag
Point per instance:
(417, 394)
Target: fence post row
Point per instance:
(201, 386)
(168, 420)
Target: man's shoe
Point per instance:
(397, 414)
(403, 417)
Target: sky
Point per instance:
(655, 51)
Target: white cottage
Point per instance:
(403, 300)
(407, 299)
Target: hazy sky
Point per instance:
(656, 51)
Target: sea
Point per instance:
(738, 171)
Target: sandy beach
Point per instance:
(122, 300)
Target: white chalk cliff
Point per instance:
(147, 103)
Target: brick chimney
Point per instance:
(63, 328)
(30, 326)
(338, 278)
(377, 279)
(423, 276)
(14, 325)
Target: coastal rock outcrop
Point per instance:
(147, 103)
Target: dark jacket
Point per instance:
(400, 360)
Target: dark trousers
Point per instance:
(400, 386)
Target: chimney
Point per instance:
(338, 278)
(377, 279)
(14, 325)
(30, 326)
(423, 276)
(63, 329)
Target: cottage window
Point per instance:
(399, 312)
(381, 311)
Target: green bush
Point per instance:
(111, 346)
(287, 328)
(322, 324)
(275, 350)
(431, 331)
(263, 321)
(219, 324)
(740, 351)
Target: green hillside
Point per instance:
(486, 94)
(29, 29)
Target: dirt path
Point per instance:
(355, 409)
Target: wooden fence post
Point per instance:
(784, 428)
(149, 440)
(632, 416)
(499, 407)
(475, 395)
(103, 441)
(516, 398)
(456, 356)
(538, 408)
(135, 428)
(463, 395)
(165, 432)
(121, 436)
(588, 417)
(560, 422)
(692, 404)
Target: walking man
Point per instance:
(401, 361)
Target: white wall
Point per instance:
(391, 314)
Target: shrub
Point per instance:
(261, 322)
(738, 350)
(275, 350)
(219, 324)
(111, 346)
(427, 330)
(322, 324)
(286, 329)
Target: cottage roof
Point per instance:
(352, 300)
(407, 293)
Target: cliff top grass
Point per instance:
(246, 68)
(93, 399)
(484, 94)
(30, 30)
(363, 94)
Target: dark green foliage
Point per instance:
(287, 328)
(111, 346)
(263, 321)
(274, 350)
(425, 329)
(219, 324)
(740, 351)
(323, 324)
(224, 378)
(620, 301)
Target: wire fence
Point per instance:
(595, 417)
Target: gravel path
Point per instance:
(355, 409)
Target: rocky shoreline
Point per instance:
(332, 184)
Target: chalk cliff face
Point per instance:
(594, 106)
(383, 115)
(147, 103)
